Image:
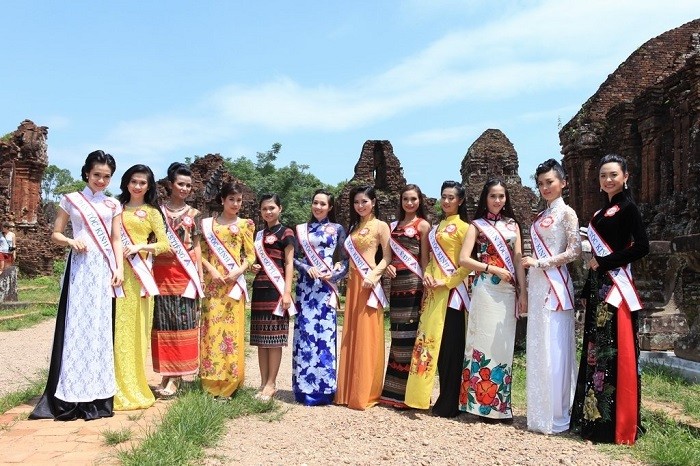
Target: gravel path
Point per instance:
(334, 434)
(23, 354)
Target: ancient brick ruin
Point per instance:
(492, 155)
(378, 167)
(23, 158)
(647, 111)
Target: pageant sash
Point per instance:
(404, 255)
(377, 296)
(194, 287)
(559, 293)
(225, 258)
(140, 267)
(459, 296)
(316, 261)
(499, 242)
(98, 231)
(622, 276)
(273, 272)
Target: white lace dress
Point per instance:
(551, 351)
(87, 362)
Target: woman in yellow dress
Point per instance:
(361, 369)
(226, 253)
(441, 331)
(141, 220)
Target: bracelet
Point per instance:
(487, 268)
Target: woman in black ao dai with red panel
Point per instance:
(608, 392)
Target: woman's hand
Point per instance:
(521, 309)
(78, 245)
(528, 262)
(390, 271)
(118, 278)
(314, 273)
(502, 273)
(593, 264)
(286, 300)
(217, 278)
(256, 268)
(428, 281)
(367, 283)
(233, 275)
(132, 249)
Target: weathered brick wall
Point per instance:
(492, 155)
(646, 111)
(378, 167)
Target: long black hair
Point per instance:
(371, 194)
(461, 194)
(94, 158)
(482, 207)
(331, 204)
(422, 211)
(151, 195)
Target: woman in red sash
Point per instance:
(272, 293)
(608, 391)
(227, 250)
(178, 273)
(410, 236)
(81, 383)
(494, 251)
(362, 346)
(141, 220)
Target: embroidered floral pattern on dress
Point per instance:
(487, 387)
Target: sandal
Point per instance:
(170, 388)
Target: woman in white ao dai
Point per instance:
(551, 352)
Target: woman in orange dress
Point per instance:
(362, 348)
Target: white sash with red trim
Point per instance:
(560, 293)
(622, 276)
(140, 267)
(273, 272)
(377, 296)
(316, 261)
(98, 230)
(459, 296)
(194, 287)
(225, 258)
(499, 242)
(409, 260)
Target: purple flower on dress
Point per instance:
(598, 379)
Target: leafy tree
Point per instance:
(293, 183)
(54, 177)
(74, 185)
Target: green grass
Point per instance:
(40, 292)
(115, 437)
(663, 384)
(35, 388)
(518, 395)
(195, 421)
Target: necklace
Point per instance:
(175, 209)
(276, 230)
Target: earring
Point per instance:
(601, 190)
(626, 185)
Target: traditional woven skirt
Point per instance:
(175, 336)
(405, 301)
(266, 329)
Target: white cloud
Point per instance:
(527, 48)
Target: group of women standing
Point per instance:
(457, 290)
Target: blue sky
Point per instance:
(153, 82)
